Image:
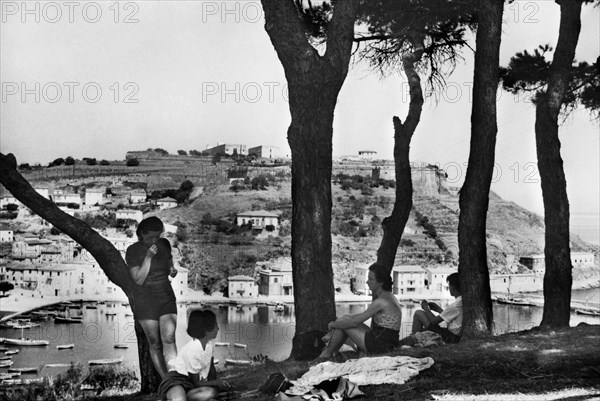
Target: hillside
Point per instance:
(430, 236)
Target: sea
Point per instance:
(245, 331)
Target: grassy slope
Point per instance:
(508, 367)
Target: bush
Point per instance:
(11, 207)
(104, 162)
(69, 161)
(132, 162)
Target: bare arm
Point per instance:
(434, 319)
(350, 321)
(139, 273)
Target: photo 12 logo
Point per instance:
(232, 11)
(249, 92)
(53, 12)
(71, 92)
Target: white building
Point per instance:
(437, 284)
(44, 191)
(264, 152)
(276, 280)
(66, 197)
(512, 283)
(242, 287)
(260, 219)
(166, 203)
(137, 197)
(367, 154)
(409, 280)
(6, 233)
(94, 196)
(129, 214)
(579, 259)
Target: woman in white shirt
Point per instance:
(192, 376)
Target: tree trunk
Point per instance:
(474, 194)
(393, 225)
(108, 257)
(314, 82)
(558, 277)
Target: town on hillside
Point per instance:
(37, 261)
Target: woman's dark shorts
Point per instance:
(380, 339)
(150, 303)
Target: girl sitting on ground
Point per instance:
(386, 314)
(192, 376)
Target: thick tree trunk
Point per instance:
(314, 82)
(108, 257)
(558, 277)
(474, 195)
(393, 225)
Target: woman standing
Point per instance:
(386, 314)
(154, 306)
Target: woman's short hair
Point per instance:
(149, 224)
(382, 275)
(200, 322)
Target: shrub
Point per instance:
(104, 162)
(11, 207)
(132, 162)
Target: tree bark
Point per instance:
(393, 225)
(314, 82)
(558, 277)
(474, 194)
(108, 257)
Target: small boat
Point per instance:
(63, 319)
(109, 361)
(8, 376)
(128, 314)
(91, 307)
(121, 346)
(5, 364)
(218, 344)
(26, 325)
(5, 358)
(25, 342)
(65, 346)
(279, 307)
(215, 361)
(111, 313)
(33, 369)
(239, 345)
(2, 349)
(590, 312)
(11, 352)
(238, 361)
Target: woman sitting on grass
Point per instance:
(193, 375)
(386, 312)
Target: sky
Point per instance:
(99, 78)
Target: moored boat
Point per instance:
(11, 352)
(121, 346)
(238, 361)
(25, 342)
(65, 346)
(63, 319)
(108, 361)
(31, 369)
(590, 312)
(5, 364)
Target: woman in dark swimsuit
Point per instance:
(386, 314)
(154, 306)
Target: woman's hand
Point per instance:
(153, 250)
(331, 325)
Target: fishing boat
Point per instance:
(25, 342)
(64, 319)
(25, 325)
(8, 376)
(111, 313)
(279, 307)
(108, 361)
(121, 346)
(238, 361)
(590, 312)
(32, 369)
(5, 358)
(65, 346)
(5, 364)
(218, 344)
(57, 365)
(238, 345)
(11, 352)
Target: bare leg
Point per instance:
(152, 331)
(420, 321)
(168, 324)
(202, 394)
(357, 334)
(176, 393)
(338, 337)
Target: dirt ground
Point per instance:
(530, 366)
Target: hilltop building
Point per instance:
(227, 149)
(276, 280)
(7, 234)
(264, 152)
(261, 220)
(367, 154)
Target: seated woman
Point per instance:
(386, 314)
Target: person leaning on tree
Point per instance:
(154, 306)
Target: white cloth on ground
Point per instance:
(363, 371)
